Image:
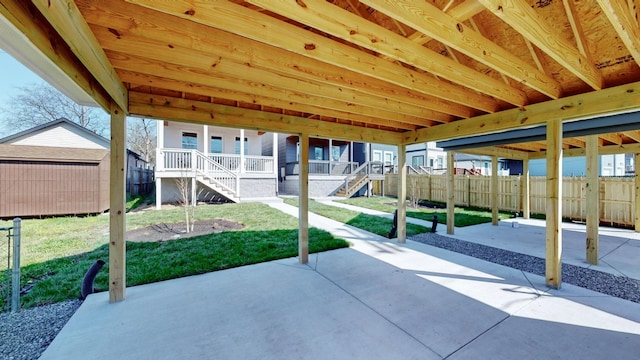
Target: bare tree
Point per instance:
(141, 138)
(40, 103)
(185, 199)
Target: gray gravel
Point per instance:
(26, 334)
(606, 283)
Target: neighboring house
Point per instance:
(478, 164)
(426, 158)
(57, 168)
(221, 164)
(609, 165)
(336, 167)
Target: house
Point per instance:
(211, 159)
(58, 168)
(609, 165)
(426, 158)
(336, 167)
(215, 162)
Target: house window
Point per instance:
(335, 153)
(431, 162)
(377, 155)
(440, 162)
(246, 146)
(318, 152)
(388, 158)
(189, 140)
(417, 161)
(216, 144)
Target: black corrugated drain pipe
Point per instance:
(87, 282)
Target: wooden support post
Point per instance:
(636, 203)
(494, 190)
(402, 193)
(303, 201)
(554, 204)
(450, 193)
(526, 195)
(593, 200)
(117, 201)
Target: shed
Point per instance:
(47, 180)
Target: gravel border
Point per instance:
(619, 286)
(25, 335)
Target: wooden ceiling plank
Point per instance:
(197, 76)
(534, 55)
(39, 33)
(525, 20)
(590, 104)
(205, 62)
(333, 20)
(613, 138)
(163, 107)
(574, 142)
(188, 87)
(429, 20)
(626, 26)
(65, 17)
(602, 150)
(260, 27)
(172, 31)
(633, 135)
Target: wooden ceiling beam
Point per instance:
(575, 142)
(218, 80)
(67, 20)
(576, 27)
(263, 28)
(38, 31)
(633, 135)
(175, 32)
(614, 138)
(167, 82)
(525, 20)
(461, 12)
(591, 104)
(429, 20)
(218, 66)
(169, 108)
(345, 25)
(625, 24)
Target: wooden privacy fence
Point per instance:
(140, 181)
(616, 194)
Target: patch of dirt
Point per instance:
(164, 231)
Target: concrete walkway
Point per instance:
(375, 300)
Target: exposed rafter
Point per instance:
(331, 19)
(65, 17)
(520, 16)
(625, 24)
(263, 28)
(427, 19)
(178, 109)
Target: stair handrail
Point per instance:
(363, 168)
(207, 167)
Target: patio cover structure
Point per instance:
(381, 71)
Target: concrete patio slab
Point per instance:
(376, 299)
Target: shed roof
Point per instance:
(48, 153)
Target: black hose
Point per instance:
(87, 282)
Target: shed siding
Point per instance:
(31, 188)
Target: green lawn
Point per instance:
(57, 252)
(371, 223)
(463, 216)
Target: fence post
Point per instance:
(15, 301)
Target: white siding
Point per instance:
(62, 135)
(173, 137)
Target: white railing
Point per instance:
(324, 167)
(214, 171)
(179, 159)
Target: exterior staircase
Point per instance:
(216, 177)
(355, 182)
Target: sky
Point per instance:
(13, 75)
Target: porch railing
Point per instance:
(324, 167)
(179, 160)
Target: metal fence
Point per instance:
(10, 284)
